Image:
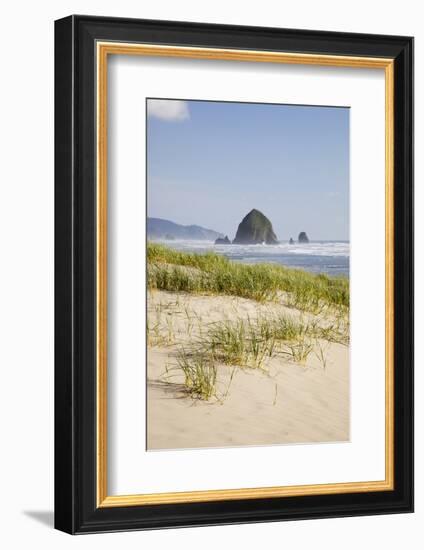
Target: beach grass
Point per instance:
(249, 343)
(212, 273)
(237, 343)
(200, 374)
(243, 343)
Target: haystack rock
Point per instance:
(303, 237)
(226, 240)
(255, 228)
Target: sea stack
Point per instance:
(303, 237)
(224, 240)
(255, 228)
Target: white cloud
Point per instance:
(172, 110)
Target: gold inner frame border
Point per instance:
(103, 50)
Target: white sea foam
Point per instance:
(316, 256)
(315, 248)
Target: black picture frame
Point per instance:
(76, 510)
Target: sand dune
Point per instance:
(286, 403)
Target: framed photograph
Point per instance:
(234, 274)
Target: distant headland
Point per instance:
(157, 228)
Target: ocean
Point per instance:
(330, 257)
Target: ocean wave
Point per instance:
(315, 248)
(330, 257)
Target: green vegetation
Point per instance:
(214, 274)
(238, 343)
(199, 374)
(248, 344)
(242, 343)
(300, 351)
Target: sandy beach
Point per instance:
(282, 402)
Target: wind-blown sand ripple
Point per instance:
(289, 403)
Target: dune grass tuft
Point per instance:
(199, 373)
(238, 343)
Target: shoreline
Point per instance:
(328, 257)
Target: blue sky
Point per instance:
(209, 163)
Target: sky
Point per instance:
(210, 163)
